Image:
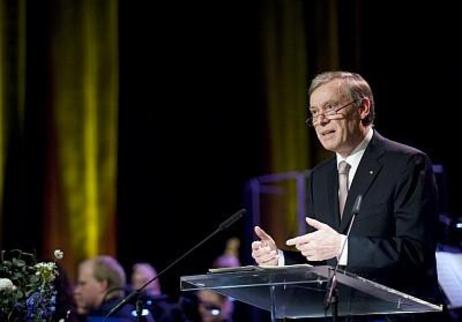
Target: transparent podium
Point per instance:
(298, 291)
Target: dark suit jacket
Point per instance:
(124, 314)
(392, 240)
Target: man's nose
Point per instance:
(323, 119)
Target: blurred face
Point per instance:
(213, 307)
(138, 279)
(338, 125)
(141, 277)
(89, 293)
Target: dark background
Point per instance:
(192, 119)
(191, 128)
(192, 114)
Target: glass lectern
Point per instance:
(298, 291)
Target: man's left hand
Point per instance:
(323, 244)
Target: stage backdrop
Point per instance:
(81, 164)
(59, 171)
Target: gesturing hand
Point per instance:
(324, 243)
(264, 251)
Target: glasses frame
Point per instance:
(312, 121)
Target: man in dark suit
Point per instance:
(392, 240)
(100, 287)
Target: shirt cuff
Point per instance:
(281, 260)
(343, 257)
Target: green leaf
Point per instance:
(19, 262)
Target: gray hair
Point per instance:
(107, 268)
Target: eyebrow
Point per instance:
(323, 105)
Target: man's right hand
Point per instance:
(264, 251)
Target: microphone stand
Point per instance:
(224, 225)
(331, 297)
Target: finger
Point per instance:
(299, 240)
(268, 257)
(308, 256)
(304, 248)
(292, 241)
(256, 245)
(315, 223)
(305, 251)
(270, 261)
(311, 258)
(261, 251)
(265, 257)
(262, 234)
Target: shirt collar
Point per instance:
(355, 156)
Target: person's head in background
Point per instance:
(141, 274)
(214, 307)
(230, 257)
(99, 279)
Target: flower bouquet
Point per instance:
(27, 291)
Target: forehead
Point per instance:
(330, 92)
(86, 271)
(140, 276)
(207, 296)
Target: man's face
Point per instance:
(340, 133)
(141, 277)
(89, 293)
(138, 279)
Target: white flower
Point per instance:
(6, 284)
(47, 271)
(58, 253)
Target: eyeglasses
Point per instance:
(330, 112)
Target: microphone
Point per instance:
(231, 220)
(332, 284)
(224, 225)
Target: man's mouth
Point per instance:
(326, 132)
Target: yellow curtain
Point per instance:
(81, 182)
(284, 58)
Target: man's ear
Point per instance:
(364, 108)
(103, 286)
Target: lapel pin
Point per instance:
(371, 172)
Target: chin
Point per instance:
(328, 146)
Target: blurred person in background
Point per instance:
(162, 308)
(212, 306)
(66, 307)
(100, 287)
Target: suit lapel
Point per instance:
(367, 171)
(332, 195)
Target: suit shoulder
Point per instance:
(324, 165)
(398, 149)
(399, 155)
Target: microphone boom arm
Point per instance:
(224, 225)
(331, 286)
